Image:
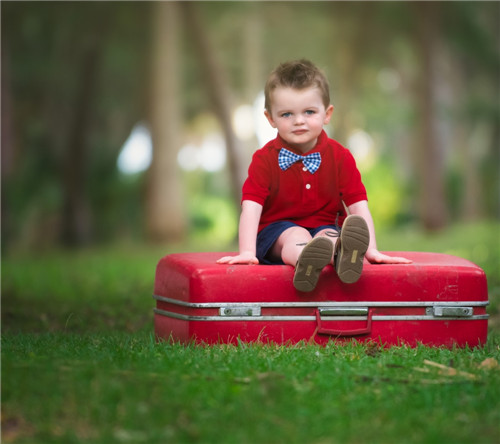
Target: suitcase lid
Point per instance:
(434, 277)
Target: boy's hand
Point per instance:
(244, 258)
(376, 257)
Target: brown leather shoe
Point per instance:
(351, 248)
(315, 256)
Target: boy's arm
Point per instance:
(249, 224)
(372, 254)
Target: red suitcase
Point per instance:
(438, 300)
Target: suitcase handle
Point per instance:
(340, 333)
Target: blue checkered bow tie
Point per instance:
(286, 159)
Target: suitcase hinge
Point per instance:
(240, 311)
(450, 312)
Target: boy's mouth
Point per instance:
(299, 132)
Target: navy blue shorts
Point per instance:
(269, 235)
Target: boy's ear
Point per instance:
(269, 118)
(329, 112)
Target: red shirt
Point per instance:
(296, 195)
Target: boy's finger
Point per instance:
(224, 259)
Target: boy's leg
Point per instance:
(290, 244)
(309, 256)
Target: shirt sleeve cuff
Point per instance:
(352, 199)
(253, 198)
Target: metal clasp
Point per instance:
(240, 311)
(450, 312)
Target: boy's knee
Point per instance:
(298, 234)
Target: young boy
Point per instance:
(303, 202)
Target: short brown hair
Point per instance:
(297, 74)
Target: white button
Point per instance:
(304, 169)
(308, 186)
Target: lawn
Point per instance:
(126, 388)
(80, 365)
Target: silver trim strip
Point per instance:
(319, 304)
(313, 318)
(428, 318)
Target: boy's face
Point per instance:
(298, 115)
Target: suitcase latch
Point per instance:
(240, 311)
(450, 312)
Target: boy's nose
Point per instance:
(299, 119)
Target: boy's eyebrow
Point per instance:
(286, 110)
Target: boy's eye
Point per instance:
(286, 114)
(310, 112)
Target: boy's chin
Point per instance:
(301, 144)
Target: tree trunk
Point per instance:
(217, 87)
(75, 230)
(352, 43)
(471, 209)
(165, 212)
(431, 169)
(9, 146)
(253, 74)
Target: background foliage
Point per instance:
(76, 78)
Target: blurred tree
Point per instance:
(75, 222)
(473, 34)
(429, 151)
(166, 219)
(216, 84)
(62, 66)
(386, 74)
(8, 151)
(353, 31)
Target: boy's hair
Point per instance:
(297, 74)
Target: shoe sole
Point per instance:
(354, 240)
(315, 256)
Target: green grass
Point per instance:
(87, 291)
(79, 364)
(126, 388)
